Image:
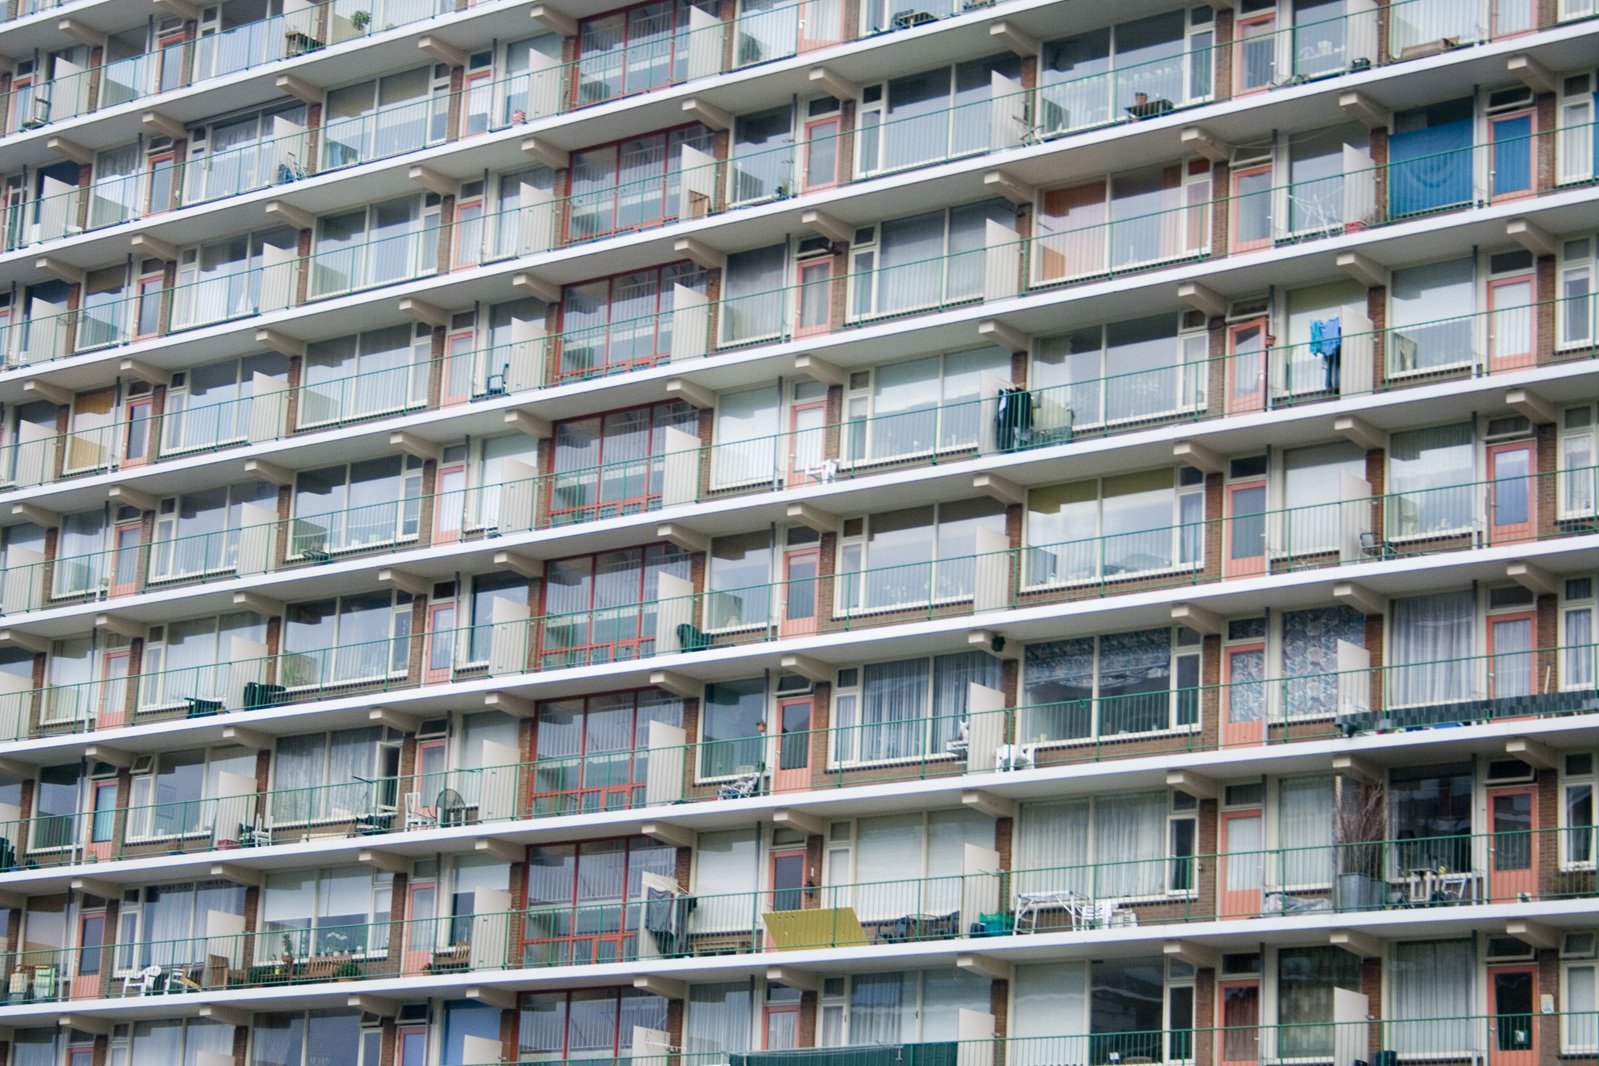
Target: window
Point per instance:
(1306, 978)
(1579, 1001)
(1577, 151)
(1109, 846)
(114, 193)
(1430, 149)
(200, 532)
(926, 261)
(1134, 1008)
(903, 863)
(940, 114)
(1577, 812)
(1430, 482)
(582, 899)
(504, 482)
(1318, 201)
(891, 1009)
(1577, 640)
(488, 592)
(182, 793)
(190, 1042)
(307, 1038)
(385, 116)
(614, 464)
(1430, 318)
(634, 184)
(746, 451)
(906, 709)
(921, 406)
(603, 608)
(55, 816)
(524, 214)
(105, 318)
(761, 156)
(755, 296)
(1121, 373)
(1129, 220)
(593, 753)
(1084, 687)
(1431, 811)
(1310, 640)
(1431, 980)
(169, 925)
(1100, 76)
(333, 777)
(342, 911)
(348, 639)
(362, 505)
(716, 1024)
(202, 658)
(372, 373)
(732, 734)
(236, 276)
(1577, 309)
(225, 403)
(243, 152)
(916, 556)
(740, 582)
(1305, 832)
(377, 245)
(80, 563)
(1316, 480)
(589, 1023)
(641, 48)
(1115, 527)
(616, 324)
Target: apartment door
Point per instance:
(411, 1046)
(793, 744)
(1513, 847)
(823, 139)
(112, 707)
(1512, 496)
(1256, 57)
(1243, 695)
(91, 956)
(460, 365)
(421, 933)
(1512, 1005)
(125, 552)
(1238, 1016)
(1511, 157)
(137, 444)
(102, 820)
(1240, 879)
(1510, 655)
(1251, 208)
(1246, 366)
(787, 873)
(1510, 323)
(782, 1026)
(439, 665)
(807, 437)
(1246, 528)
(814, 303)
(800, 569)
(449, 504)
(80, 1056)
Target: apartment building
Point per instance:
(799, 533)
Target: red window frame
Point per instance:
(612, 791)
(603, 505)
(667, 210)
(660, 347)
(605, 936)
(618, 647)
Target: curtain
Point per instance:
(889, 866)
(717, 1021)
(116, 186)
(1312, 489)
(158, 1042)
(944, 994)
(203, 1036)
(296, 767)
(277, 1039)
(1051, 999)
(893, 707)
(1305, 830)
(948, 833)
(911, 267)
(1052, 843)
(350, 759)
(1430, 475)
(725, 871)
(1306, 978)
(1430, 168)
(1310, 648)
(1582, 1001)
(1431, 996)
(1130, 845)
(1059, 692)
(745, 449)
(905, 404)
(1431, 645)
(879, 1011)
(754, 295)
(952, 676)
(1428, 318)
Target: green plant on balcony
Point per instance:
(346, 971)
(361, 20)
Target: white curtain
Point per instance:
(746, 449)
(882, 1009)
(1305, 832)
(717, 1021)
(911, 270)
(204, 1036)
(724, 873)
(1311, 485)
(1431, 992)
(1130, 845)
(1431, 643)
(1430, 474)
(168, 923)
(893, 706)
(298, 766)
(1052, 842)
(1050, 1014)
(349, 760)
(754, 296)
(888, 867)
(1582, 1001)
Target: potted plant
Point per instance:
(1361, 822)
(361, 20)
(346, 971)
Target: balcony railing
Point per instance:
(988, 737)
(1003, 269)
(1419, 876)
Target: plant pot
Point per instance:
(1358, 892)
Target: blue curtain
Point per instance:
(1512, 158)
(1429, 168)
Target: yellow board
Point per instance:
(832, 927)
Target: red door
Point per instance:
(1513, 847)
(1255, 61)
(449, 504)
(1243, 700)
(1510, 655)
(1238, 1016)
(112, 708)
(807, 434)
(787, 880)
(102, 820)
(793, 760)
(91, 957)
(1246, 366)
(411, 1046)
(1246, 528)
(1241, 877)
(125, 558)
(1514, 1015)
(813, 311)
(1512, 500)
(460, 363)
(1510, 324)
(823, 140)
(421, 934)
(800, 569)
(137, 444)
(439, 665)
(1251, 209)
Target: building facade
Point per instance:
(535, 532)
